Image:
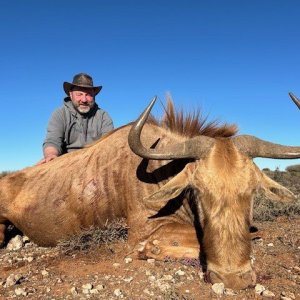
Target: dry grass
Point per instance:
(116, 231)
(267, 210)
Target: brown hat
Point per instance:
(81, 80)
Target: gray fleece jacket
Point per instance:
(68, 130)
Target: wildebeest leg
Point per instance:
(2, 233)
(172, 240)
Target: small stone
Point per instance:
(100, 287)
(267, 293)
(117, 292)
(29, 259)
(94, 291)
(45, 273)
(259, 288)
(218, 288)
(168, 277)
(146, 291)
(128, 260)
(15, 243)
(230, 292)
(87, 286)
(74, 291)
(12, 280)
(270, 245)
(25, 239)
(150, 260)
(129, 279)
(116, 265)
(201, 275)
(180, 273)
(20, 292)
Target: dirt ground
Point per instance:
(106, 273)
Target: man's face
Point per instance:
(83, 99)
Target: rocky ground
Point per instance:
(106, 272)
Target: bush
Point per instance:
(293, 168)
(4, 173)
(94, 236)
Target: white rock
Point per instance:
(20, 292)
(128, 260)
(201, 275)
(45, 273)
(74, 291)
(168, 277)
(116, 265)
(100, 287)
(12, 280)
(150, 260)
(25, 239)
(218, 288)
(15, 243)
(117, 292)
(152, 278)
(229, 292)
(29, 258)
(129, 279)
(259, 288)
(146, 291)
(87, 286)
(270, 245)
(180, 273)
(267, 293)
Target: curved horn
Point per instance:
(295, 99)
(255, 147)
(193, 148)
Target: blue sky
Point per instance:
(237, 60)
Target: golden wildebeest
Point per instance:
(190, 184)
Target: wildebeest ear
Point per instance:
(275, 191)
(170, 190)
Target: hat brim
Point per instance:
(68, 86)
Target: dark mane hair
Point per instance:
(192, 124)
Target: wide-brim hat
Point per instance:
(81, 80)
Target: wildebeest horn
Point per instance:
(193, 148)
(295, 99)
(255, 147)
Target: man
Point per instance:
(78, 122)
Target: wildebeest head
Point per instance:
(224, 180)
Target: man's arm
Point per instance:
(107, 123)
(52, 146)
(50, 153)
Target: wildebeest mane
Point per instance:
(191, 124)
(186, 124)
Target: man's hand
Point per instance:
(50, 153)
(46, 159)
